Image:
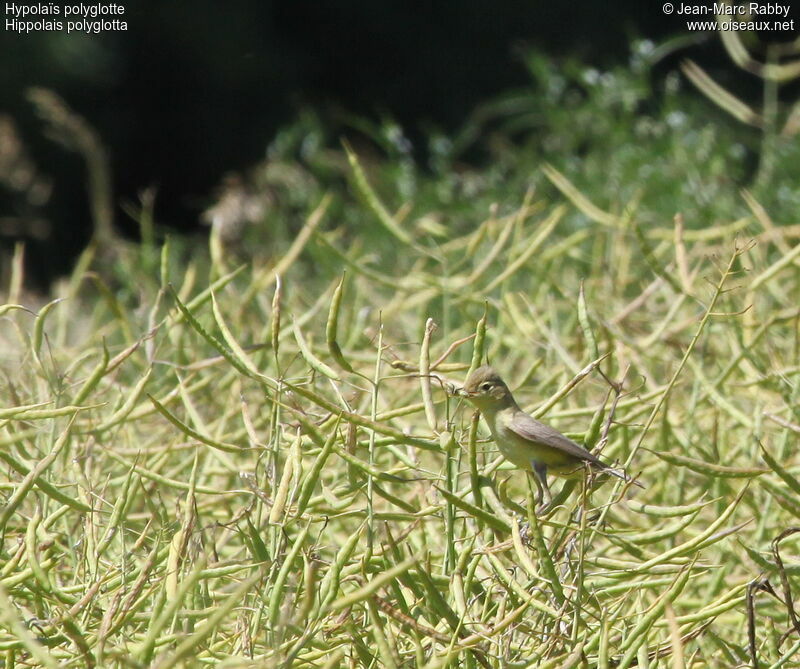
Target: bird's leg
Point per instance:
(544, 498)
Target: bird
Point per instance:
(526, 442)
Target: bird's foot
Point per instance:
(592, 515)
(524, 529)
(544, 509)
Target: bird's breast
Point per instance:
(524, 452)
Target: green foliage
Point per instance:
(234, 461)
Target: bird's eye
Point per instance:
(486, 386)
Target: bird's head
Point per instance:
(486, 390)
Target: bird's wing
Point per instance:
(529, 428)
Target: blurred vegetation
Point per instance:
(249, 456)
(651, 148)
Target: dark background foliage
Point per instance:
(194, 89)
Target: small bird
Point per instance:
(525, 441)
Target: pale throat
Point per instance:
(490, 406)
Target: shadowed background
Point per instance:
(194, 90)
